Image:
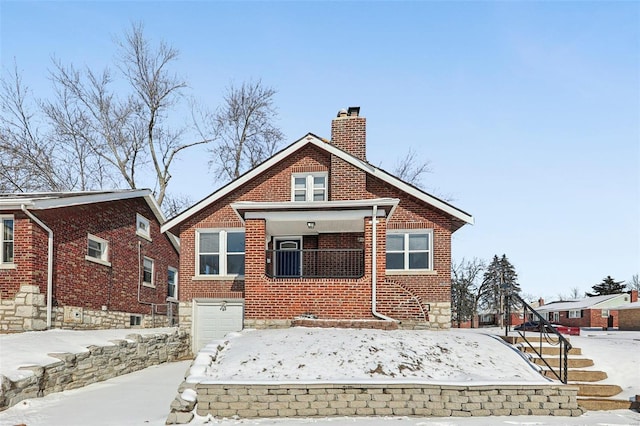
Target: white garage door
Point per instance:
(214, 318)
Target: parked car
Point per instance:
(530, 326)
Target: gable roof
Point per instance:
(586, 303)
(52, 200)
(460, 216)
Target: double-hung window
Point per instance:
(97, 250)
(148, 266)
(6, 240)
(220, 252)
(410, 250)
(172, 283)
(575, 313)
(309, 187)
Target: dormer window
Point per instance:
(309, 187)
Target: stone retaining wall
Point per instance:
(97, 364)
(290, 400)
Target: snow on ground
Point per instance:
(615, 352)
(32, 348)
(143, 397)
(354, 355)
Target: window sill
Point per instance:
(408, 272)
(217, 278)
(99, 261)
(148, 285)
(145, 236)
(8, 266)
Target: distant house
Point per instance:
(596, 311)
(316, 232)
(629, 317)
(84, 260)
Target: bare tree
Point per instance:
(467, 289)
(634, 283)
(410, 169)
(99, 134)
(27, 163)
(243, 129)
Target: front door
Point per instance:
(288, 256)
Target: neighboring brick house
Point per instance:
(629, 317)
(84, 260)
(596, 311)
(294, 237)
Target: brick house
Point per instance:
(294, 237)
(596, 311)
(629, 317)
(84, 260)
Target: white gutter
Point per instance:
(374, 266)
(49, 261)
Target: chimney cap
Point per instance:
(354, 111)
(342, 113)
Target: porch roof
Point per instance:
(317, 217)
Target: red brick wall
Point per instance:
(30, 264)
(83, 283)
(629, 319)
(590, 318)
(401, 295)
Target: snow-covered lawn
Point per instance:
(469, 356)
(349, 355)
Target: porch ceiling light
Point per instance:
(311, 225)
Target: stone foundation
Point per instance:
(97, 364)
(27, 311)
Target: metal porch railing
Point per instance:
(547, 334)
(315, 263)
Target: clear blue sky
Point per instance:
(528, 111)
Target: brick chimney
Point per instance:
(634, 296)
(541, 302)
(349, 132)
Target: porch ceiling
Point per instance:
(309, 218)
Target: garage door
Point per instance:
(214, 318)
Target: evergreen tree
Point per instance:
(608, 286)
(499, 280)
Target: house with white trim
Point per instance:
(85, 260)
(316, 233)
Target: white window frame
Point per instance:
(104, 252)
(8, 264)
(309, 189)
(153, 272)
(175, 283)
(143, 227)
(604, 313)
(574, 313)
(556, 317)
(222, 252)
(406, 251)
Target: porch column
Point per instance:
(254, 252)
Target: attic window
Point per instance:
(309, 187)
(142, 227)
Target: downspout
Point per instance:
(140, 301)
(49, 261)
(374, 266)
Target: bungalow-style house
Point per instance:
(85, 260)
(316, 232)
(596, 311)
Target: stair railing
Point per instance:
(548, 334)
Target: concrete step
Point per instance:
(571, 362)
(579, 375)
(605, 404)
(551, 350)
(597, 390)
(532, 338)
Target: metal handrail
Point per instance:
(314, 263)
(549, 335)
